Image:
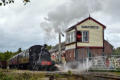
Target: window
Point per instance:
(82, 36)
(73, 36)
(79, 36)
(85, 36)
(70, 37)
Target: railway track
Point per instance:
(77, 75)
(107, 76)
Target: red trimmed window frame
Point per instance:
(82, 36)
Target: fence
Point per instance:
(105, 62)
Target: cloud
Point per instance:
(20, 25)
(58, 19)
(39, 21)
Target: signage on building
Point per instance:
(91, 27)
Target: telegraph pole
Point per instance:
(59, 57)
(60, 51)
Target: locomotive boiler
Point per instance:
(35, 58)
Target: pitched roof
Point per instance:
(56, 47)
(89, 18)
(105, 41)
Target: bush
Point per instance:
(5, 77)
(71, 78)
(57, 75)
(23, 76)
(69, 72)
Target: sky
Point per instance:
(40, 21)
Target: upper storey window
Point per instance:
(70, 37)
(82, 36)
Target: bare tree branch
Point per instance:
(5, 2)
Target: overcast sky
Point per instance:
(39, 21)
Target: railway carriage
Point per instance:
(35, 58)
(3, 64)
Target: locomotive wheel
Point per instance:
(35, 67)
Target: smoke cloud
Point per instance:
(20, 25)
(66, 14)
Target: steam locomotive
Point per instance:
(35, 58)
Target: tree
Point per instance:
(1, 56)
(7, 55)
(49, 47)
(5, 2)
(19, 50)
(4, 56)
(117, 51)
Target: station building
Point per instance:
(55, 52)
(86, 39)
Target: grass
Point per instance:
(21, 76)
(69, 72)
(6, 74)
(117, 73)
(3, 76)
(118, 70)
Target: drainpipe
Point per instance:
(76, 53)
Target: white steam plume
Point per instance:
(71, 11)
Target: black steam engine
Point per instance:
(35, 58)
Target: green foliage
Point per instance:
(71, 78)
(20, 76)
(5, 2)
(37, 76)
(117, 73)
(49, 47)
(116, 51)
(1, 56)
(24, 76)
(58, 76)
(7, 55)
(19, 50)
(4, 56)
(26, 0)
(3, 76)
(69, 72)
